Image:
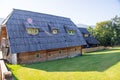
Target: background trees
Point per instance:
(107, 32)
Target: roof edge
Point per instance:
(40, 13)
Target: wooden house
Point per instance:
(28, 37)
(90, 40)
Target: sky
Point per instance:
(87, 12)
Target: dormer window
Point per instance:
(86, 35)
(32, 31)
(71, 32)
(31, 28)
(55, 31)
(69, 29)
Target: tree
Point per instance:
(107, 32)
(91, 30)
(116, 27)
(103, 32)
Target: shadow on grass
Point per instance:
(87, 62)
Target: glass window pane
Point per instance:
(54, 31)
(71, 32)
(32, 31)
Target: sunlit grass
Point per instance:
(100, 65)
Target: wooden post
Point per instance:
(0, 73)
(14, 58)
(7, 75)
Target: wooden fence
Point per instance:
(5, 73)
(93, 49)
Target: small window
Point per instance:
(60, 51)
(49, 54)
(32, 31)
(71, 32)
(37, 56)
(86, 35)
(75, 49)
(54, 31)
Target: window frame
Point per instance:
(37, 55)
(54, 32)
(60, 51)
(32, 31)
(86, 35)
(73, 32)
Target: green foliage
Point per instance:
(116, 28)
(107, 32)
(100, 65)
(91, 30)
(103, 32)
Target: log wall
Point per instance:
(46, 55)
(3, 33)
(30, 57)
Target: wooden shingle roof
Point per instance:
(90, 39)
(21, 41)
(84, 30)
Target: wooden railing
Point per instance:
(5, 73)
(0, 73)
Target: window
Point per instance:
(49, 54)
(75, 49)
(54, 31)
(37, 56)
(86, 35)
(60, 51)
(71, 32)
(32, 31)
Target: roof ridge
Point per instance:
(39, 13)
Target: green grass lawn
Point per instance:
(100, 65)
